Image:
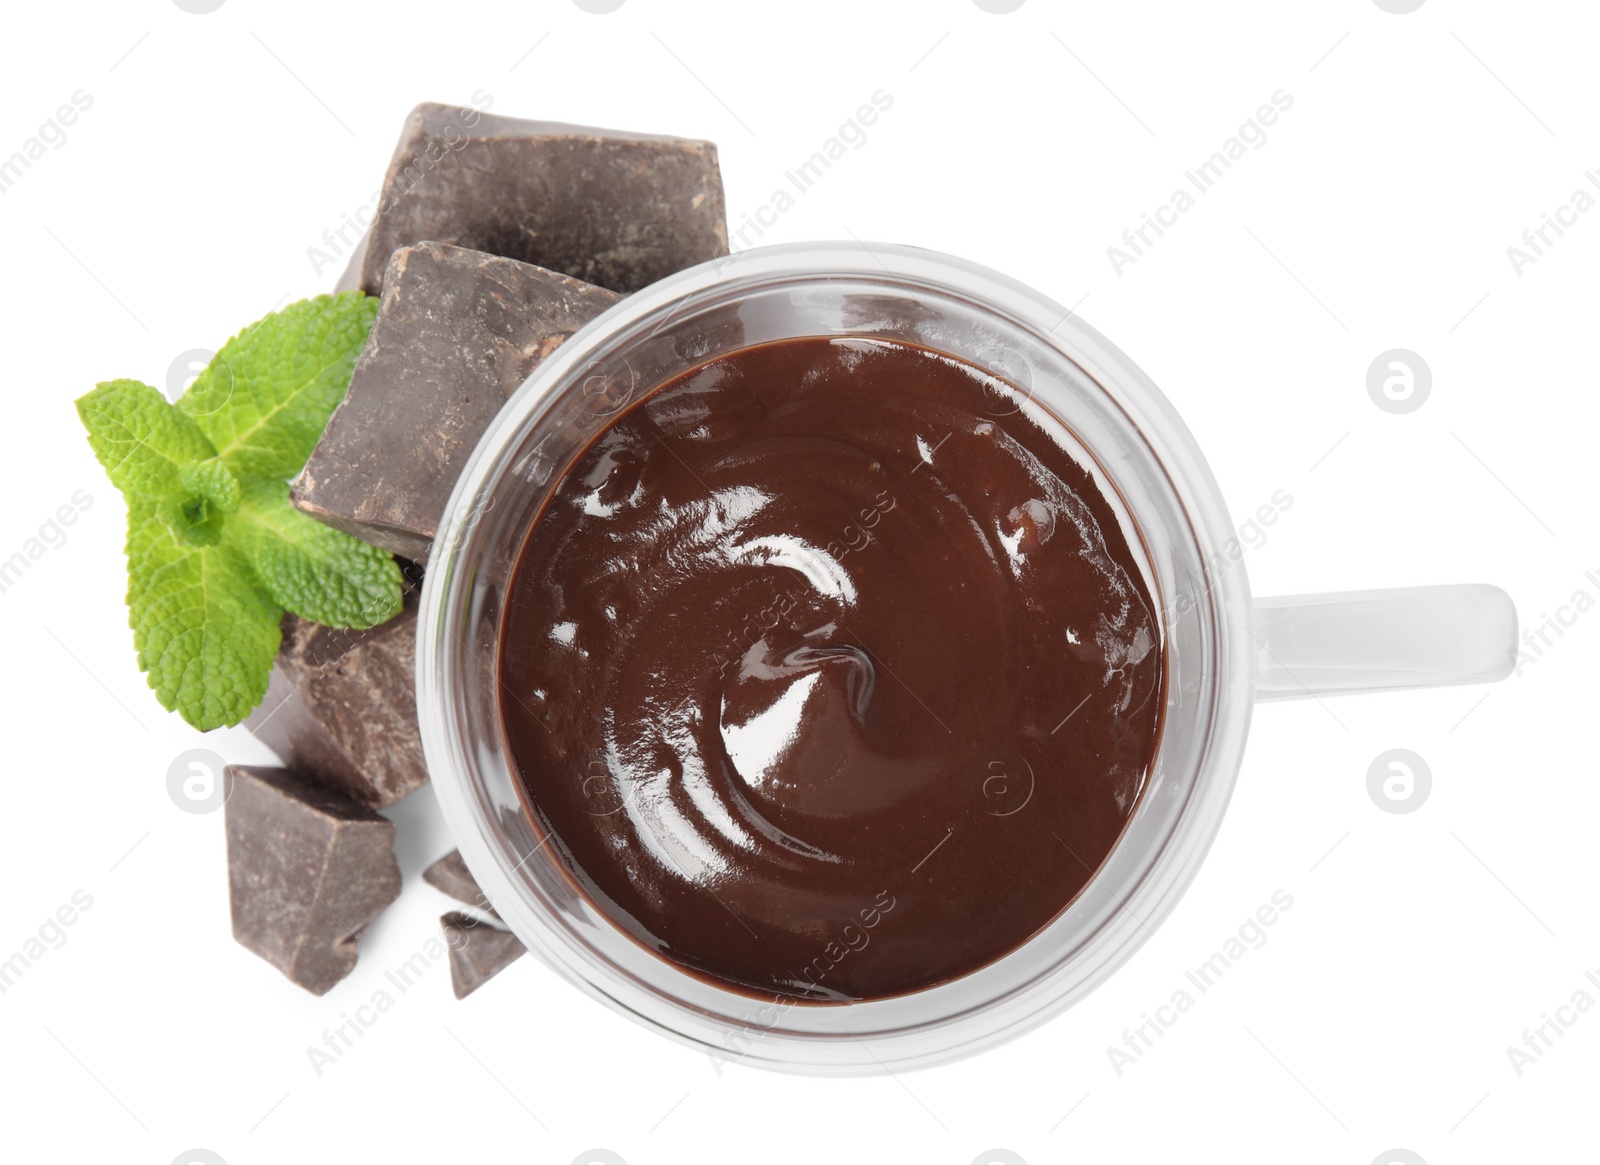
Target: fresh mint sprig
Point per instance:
(215, 551)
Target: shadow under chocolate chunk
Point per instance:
(616, 209)
(457, 333)
(478, 951)
(341, 705)
(308, 870)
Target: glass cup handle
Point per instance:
(1369, 641)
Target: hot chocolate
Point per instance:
(829, 670)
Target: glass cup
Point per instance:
(1222, 651)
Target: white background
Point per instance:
(219, 148)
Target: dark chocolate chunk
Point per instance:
(342, 706)
(450, 875)
(620, 210)
(308, 869)
(478, 951)
(457, 333)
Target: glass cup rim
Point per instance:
(1225, 606)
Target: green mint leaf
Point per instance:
(266, 396)
(319, 573)
(215, 552)
(205, 631)
(193, 522)
(142, 440)
(210, 480)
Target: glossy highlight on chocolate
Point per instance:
(830, 670)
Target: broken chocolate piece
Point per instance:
(478, 951)
(308, 869)
(342, 706)
(620, 210)
(450, 875)
(457, 333)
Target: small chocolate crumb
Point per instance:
(478, 951)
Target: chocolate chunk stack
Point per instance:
(495, 240)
